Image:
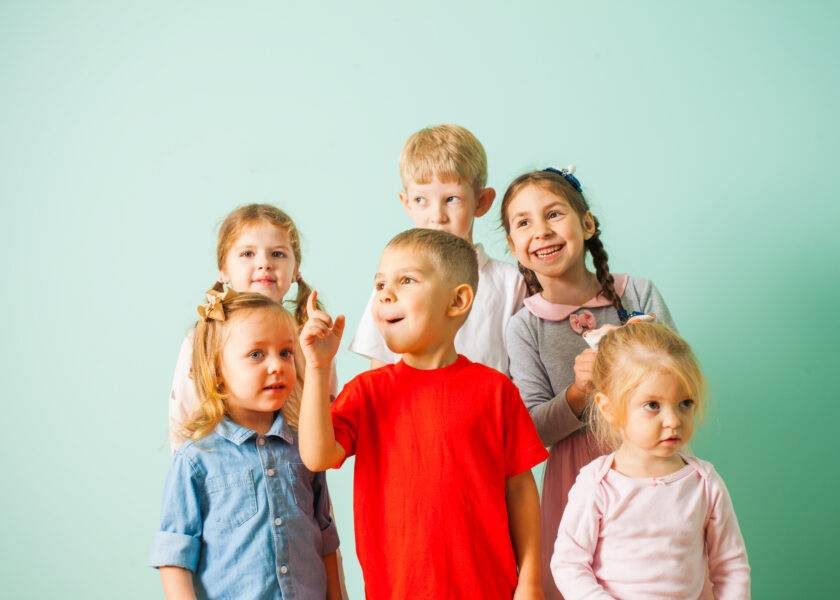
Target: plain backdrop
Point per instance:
(705, 135)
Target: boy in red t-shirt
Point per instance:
(444, 502)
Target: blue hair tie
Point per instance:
(568, 174)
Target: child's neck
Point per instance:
(432, 358)
(260, 422)
(574, 287)
(638, 464)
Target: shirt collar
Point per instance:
(236, 433)
(481, 255)
(549, 311)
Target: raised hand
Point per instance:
(320, 335)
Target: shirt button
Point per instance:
(278, 521)
(270, 472)
(284, 569)
(261, 441)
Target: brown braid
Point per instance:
(532, 284)
(602, 268)
(303, 292)
(555, 183)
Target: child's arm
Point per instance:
(729, 570)
(319, 340)
(333, 579)
(553, 414)
(183, 398)
(577, 540)
(523, 506)
(177, 583)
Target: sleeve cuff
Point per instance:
(329, 539)
(175, 550)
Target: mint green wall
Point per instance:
(706, 134)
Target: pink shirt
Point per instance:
(650, 538)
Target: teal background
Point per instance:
(706, 135)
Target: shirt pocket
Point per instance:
(233, 498)
(301, 484)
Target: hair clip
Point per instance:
(634, 317)
(567, 173)
(213, 308)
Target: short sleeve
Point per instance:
(346, 414)
(368, 341)
(522, 446)
(183, 399)
(323, 514)
(178, 541)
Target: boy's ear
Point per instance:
(484, 200)
(403, 199)
(588, 223)
(462, 299)
(604, 406)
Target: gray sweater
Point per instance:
(542, 356)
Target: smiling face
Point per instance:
(261, 260)
(257, 366)
(448, 206)
(659, 417)
(412, 302)
(545, 233)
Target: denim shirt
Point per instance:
(243, 513)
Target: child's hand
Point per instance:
(578, 393)
(584, 364)
(320, 335)
(526, 591)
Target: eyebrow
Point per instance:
(405, 271)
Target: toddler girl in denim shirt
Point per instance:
(242, 516)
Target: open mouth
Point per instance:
(549, 251)
(275, 387)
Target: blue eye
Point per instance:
(256, 355)
(453, 199)
(652, 406)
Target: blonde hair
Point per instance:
(626, 356)
(253, 214)
(454, 256)
(447, 151)
(209, 341)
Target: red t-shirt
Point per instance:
(433, 450)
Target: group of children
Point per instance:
(476, 368)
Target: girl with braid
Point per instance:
(550, 230)
(258, 250)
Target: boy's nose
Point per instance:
(440, 215)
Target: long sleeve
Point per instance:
(577, 540)
(729, 570)
(551, 413)
(183, 398)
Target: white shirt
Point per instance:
(481, 338)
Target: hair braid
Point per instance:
(532, 284)
(303, 292)
(602, 268)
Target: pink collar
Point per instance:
(548, 311)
